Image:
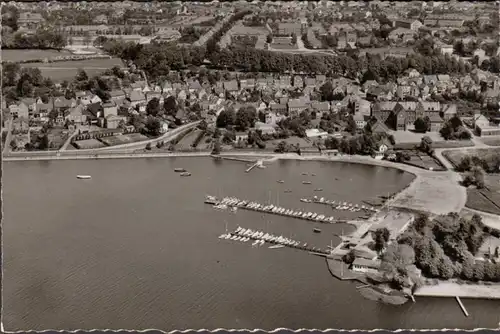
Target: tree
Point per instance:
(294, 39)
(245, 118)
(327, 91)
(217, 148)
(349, 257)
(399, 255)
(426, 145)
(478, 175)
(382, 236)
(351, 125)
(420, 125)
(153, 126)
(170, 105)
(81, 75)
(225, 118)
(153, 107)
(269, 38)
(148, 146)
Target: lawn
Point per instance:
(482, 200)
(66, 70)
(88, 144)
(484, 153)
(425, 162)
(57, 137)
(491, 141)
(123, 139)
(291, 141)
(284, 47)
(31, 54)
(186, 142)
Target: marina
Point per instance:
(339, 205)
(227, 202)
(259, 238)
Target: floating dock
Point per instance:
(276, 240)
(272, 209)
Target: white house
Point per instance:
(314, 133)
(365, 265)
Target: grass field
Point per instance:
(425, 162)
(485, 153)
(57, 137)
(66, 70)
(88, 144)
(491, 141)
(123, 139)
(187, 141)
(30, 54)
(483, 200)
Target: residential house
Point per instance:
(362, 107)
(278, 108)
(154, 94)
(247, 83)
(316, 133)
(194, 86)
(136, 97)
(449, 111)
(116, 94)
(95, 99)
(182, 95)
(445, 49)
(298, 82)
(374, 93)
(310, 82)
(291, 28)
(413, 73)
(30, 103)
(430, 79)
(320, 79)
(231, 86)
(109, 108)
(138, 85)
(341, 42)
(19, 111)
(113, 121)
(167, 87)
(76, 115)
(296, 106)
(265, 128)
(408, 24)
(365, 265)
(241, 136)
(360, 120)
(320, 108)
(436, 122)
(284, 82)
(62, 104)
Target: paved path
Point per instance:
(68, 141)
(6, 148)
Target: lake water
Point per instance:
(136, 248)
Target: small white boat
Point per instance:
(83, 177)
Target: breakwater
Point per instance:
(236, 203)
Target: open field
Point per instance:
(30, 54)
(452, 289)
(291, 141)
(491, 141)
(456, 156)
(186, 142)
(123, 139)
(483, 200)
(57, 137)
(67, 70)
(88, 143)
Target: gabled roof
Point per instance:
(116, 92)
(231, 85)
(435, 118)
(136, 96)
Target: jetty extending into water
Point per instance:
(234, 202)
(339, 205)
(260, 237)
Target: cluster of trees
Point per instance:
(211, 44)
(158, 58)
(454, 129)
(25, 82)
(475, 177)
(445, 247)
(363, 144)
(43, 38)
(190, 34)
(489, 163)
(242, 119)
(422, 125)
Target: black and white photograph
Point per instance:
(250, 165)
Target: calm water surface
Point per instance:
(136, 248)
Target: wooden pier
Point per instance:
(257, 163)
(324, 220)
(311, 250)
(462, 306)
